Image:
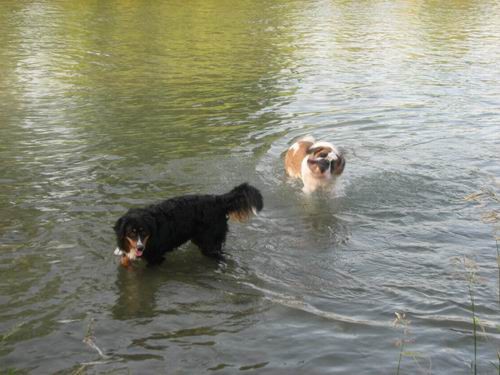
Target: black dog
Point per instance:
(152, 231)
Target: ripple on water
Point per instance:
(110, 106)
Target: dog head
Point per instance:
(324, 160)
(133, 230)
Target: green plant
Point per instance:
(404, 323)
(471, 269)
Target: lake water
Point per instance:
(107, 105)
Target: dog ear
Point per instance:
(339, 166)
(119, 227)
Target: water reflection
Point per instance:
(137, 288)
(109, 105)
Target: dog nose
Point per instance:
(323, 165)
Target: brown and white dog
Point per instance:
(317, 163)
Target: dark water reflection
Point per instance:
(109, 105)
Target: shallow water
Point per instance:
(111, 105)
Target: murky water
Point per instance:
(116, 104)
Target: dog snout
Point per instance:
(323, 165)
(140, 245)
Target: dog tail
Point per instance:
(242, 201)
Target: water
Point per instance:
(111, 105)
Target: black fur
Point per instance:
(199, 218)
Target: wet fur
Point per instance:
(316, 163)
(203, 219)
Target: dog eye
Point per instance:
(323, 155)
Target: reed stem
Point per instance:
(474, 325)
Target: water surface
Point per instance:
(110, 105)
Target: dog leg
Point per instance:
(154, 259)
(210, 248)
(214, 253)
(210, 240)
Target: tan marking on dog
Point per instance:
(125, 261)
(294, 156)
(320, 148)
(132, 245)
(240, 216)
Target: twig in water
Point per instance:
(89, 339)
(498, 266)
